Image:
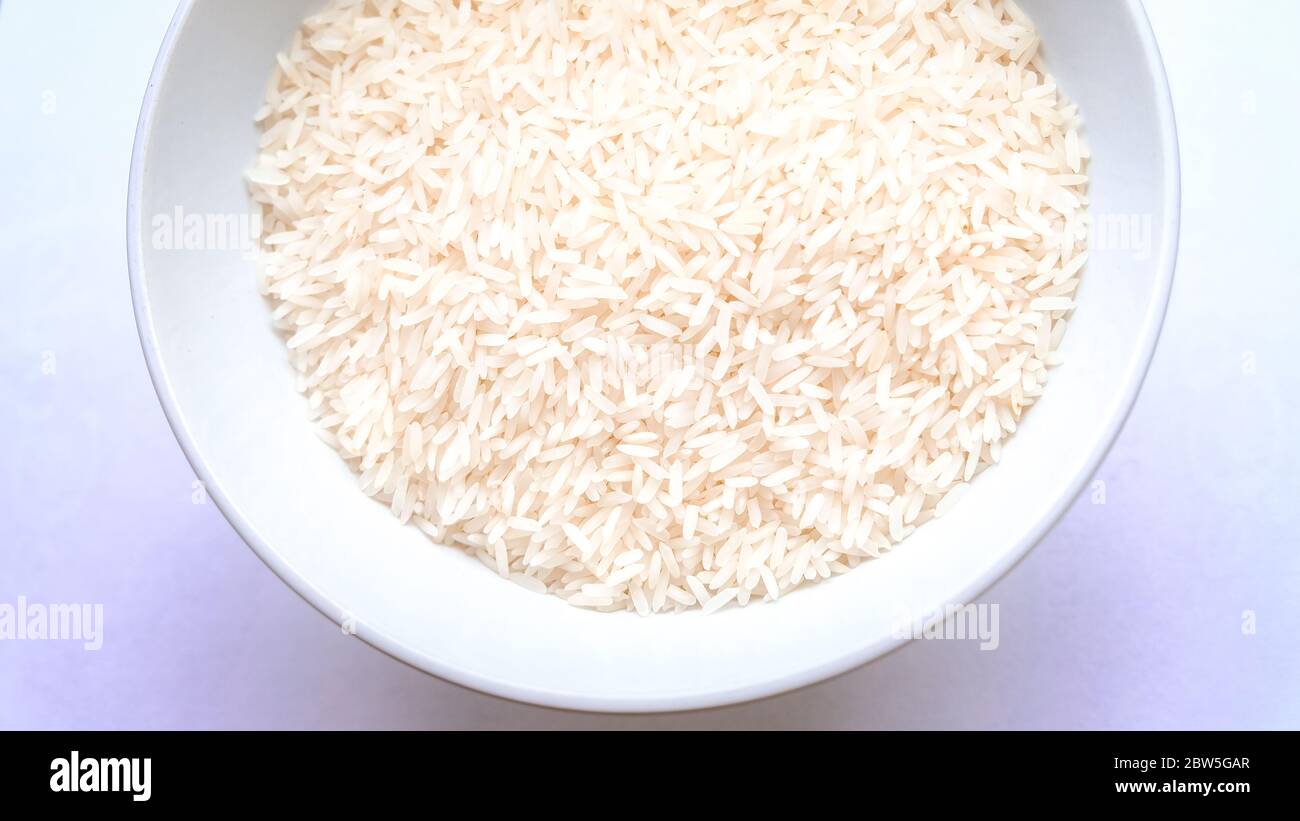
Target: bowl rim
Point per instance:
(1138, 365)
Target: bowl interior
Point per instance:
(224, 379)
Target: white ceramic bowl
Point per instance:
(223, 378)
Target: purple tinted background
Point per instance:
(1129, 614)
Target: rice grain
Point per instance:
(656, 305)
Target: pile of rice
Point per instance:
(658, 304)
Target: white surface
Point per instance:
(228, 389)
(1129, 614)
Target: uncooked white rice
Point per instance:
(658, 304)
